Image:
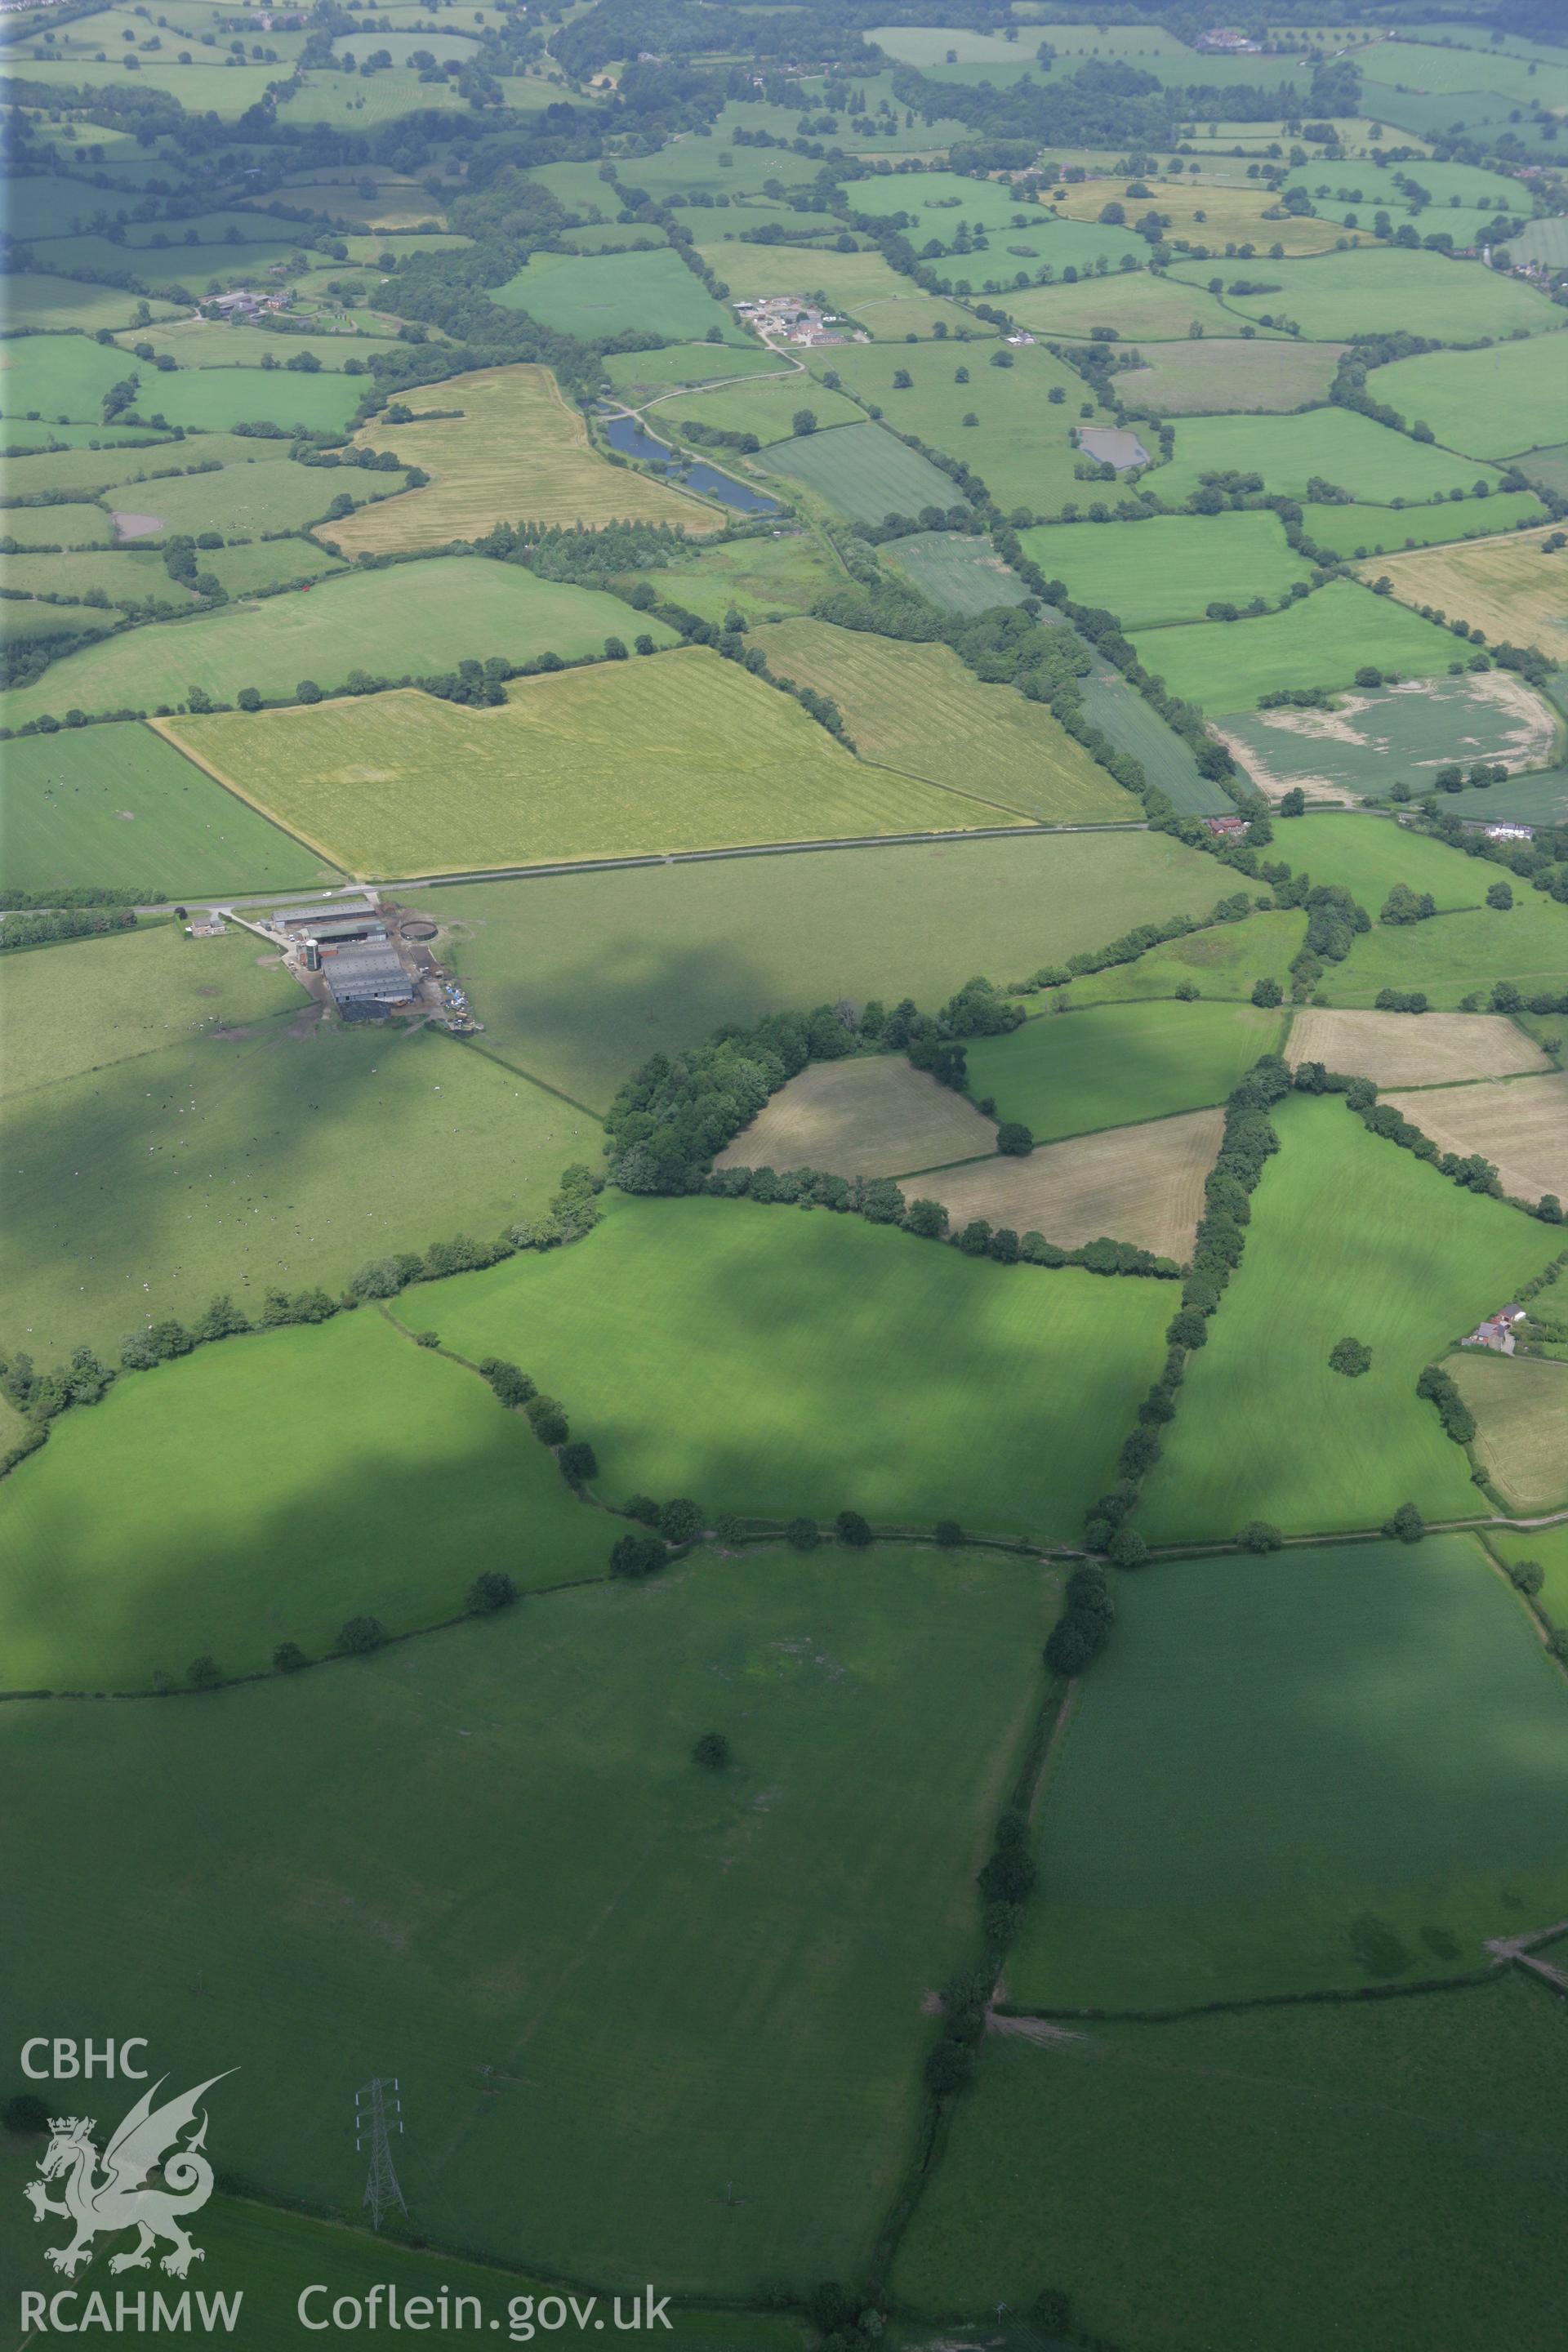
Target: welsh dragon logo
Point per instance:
(107, 2193)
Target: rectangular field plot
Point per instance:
(1383, 290)
(636, 375)
(1359, 529)
(1487, 402)
(1520, 1126)
(118, 808)
(1376, 737)
(1136, 728)
(861, 1117)
(1136, 304)
(1521, 1405)
(41, 299)
(1169, 569)
(1141, 1184)
(846, 281)
(686, 751)
(259, 1434)
(918, 710)
(1509, 587)
(241, 500)
(765, 405)
(863, 471)
(1323, 640)
(1331, 445)
(1070, 1074)
(1350, 1237)
(1396, 1049)
(589, 295)
(1541, 798)
(516, 450)
(1210, 376)
(1367, 856)
(1411, 2148)
(410, 617)
(1180, 1875)
(1457, 954)
(780, 1331)
(958, 574)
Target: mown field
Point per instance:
(779, 1341)
(401, 1466)
(959, 574)
(1323, 2171)
(1069, 1074)
(917, 709)
(1169, 569)
(516, 451)
(1375, 737)
(595, 762)
(1141, 1184)
(411, 617)
(861, 1117)
(1509, 587)
(607, 293)
(1381, 290)
(1350, 1237)
(784, 1888)
(1323, 640)
(1520, 1407)
(1521, 1126)
(1487, 402)
(242, 500)
(1333, 444)
(578, 986)
(1394, 1050)
(863, 471)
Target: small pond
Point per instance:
(627, 434)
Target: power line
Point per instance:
(376, 2117)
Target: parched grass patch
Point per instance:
(861, 1117)
(779, 1330)
(917, 709)
(1489, 403)
(1348, 1236)
(1072, 1072)
(403, 1467)
(516, 451)
(1385, 2168)
(862, 470)
(1396, 1049)
(958, 574)
(1375, 737)
(1141, 1184)
(412, 617)
(1212, 374)
(1335, 445)
(1381, 290)
(590, 295)
(1521, 1405)
(825, 1880)
(1169, 569)
(1520, 1126)
(1509, 587)
(1323, 640)
(686, 752)
(1359, 529)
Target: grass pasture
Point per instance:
(1381, 290)
(1209, 375)
(605, 294)
(1136, 728)
(1520, 1126)
(683, 753)
(1521, 1405)
(765, 579)
(118, 808)
(638, 375)
(1169, 568)
(115, 463)
(1138, 306)
(1072, 1074)
(1376, 737)
(1369, 855)
(260, 1436)
(863, 471)
(390, 621)
(874, 1117)
(918, 710)
(957, 573)
(765, 405)
(847, 281)
(1359, 529)
(58, 376)
(1348, 1237)
(1335, 445)
(1548, 1546)
(1457, 955)
(241, 500)
(1489, 403)
(780, 1345)
(1181, 1876)
(216, 400)
(1509, 587)
(42, 300)
(1394, 1049)
(206, 344)
(1141, 1184)
(1323, 640)
(1541, 798)
(1223, 961)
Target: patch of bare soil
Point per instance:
(136, 526)
(1043, 2031)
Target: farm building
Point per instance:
(1498, 1332)
(338, 921)
(368, 974)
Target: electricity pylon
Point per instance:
(376, 2117)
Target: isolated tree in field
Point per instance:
(1350, 1357)
(491, 1589)
(1187, 992)
(1267, 992)
(359, 1635)
(1014, 1138)
(712, 1752)
(804, 421)
(287, 1658)
(949, 1534)
(1260, 1535)
(1404, 905)
(902, 379)
(1500, 896)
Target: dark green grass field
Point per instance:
(864, 471)
(1137, 729)
(1350, 1237)
(1225, 666)
(297, 1478)
(1382, 290)
(1538, 798)
(1453, 956)
(1383, 2173)
(1169, 569)
(487, 1853)
(118, 808)
(577, 982)
(960, 574)
(778, 1332)
(1069, 1074)
(1368, 854)
(1361, 529)
(607, 293)
(1389, 1832)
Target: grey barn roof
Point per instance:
(372, 970)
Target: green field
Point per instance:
(1367, 856)
(1169, 569)
(780, 1344)
(1375, 739)
(1322, 641)
(865, 472)
(765, 579)
(40, 299)
(125, 576)
(1197, 377)
(1335, 445)
(917, 709)
(594, 763)
(1136, 728)
(958, 574)
(1348, 532)
(1456, 954)
(1549, 1547)
(401, 1466)
(63, 375)
(62, 526)
(1179, 1873)
(1223, 961)
(270, 563)
(1071, 1074)
(1538, 798)
(637, 374)
(215, 400)
(412, 617)
(1487, 402)
(564, 1903)
(764, 405)
(118, 808)
(188, 270)
(1381, 290)
(590, 295)
(245, 497)
(1349, 1237)
(79, 468)
(847, 281)
(580, 981)
(1382, 2172)
(1139, 307)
